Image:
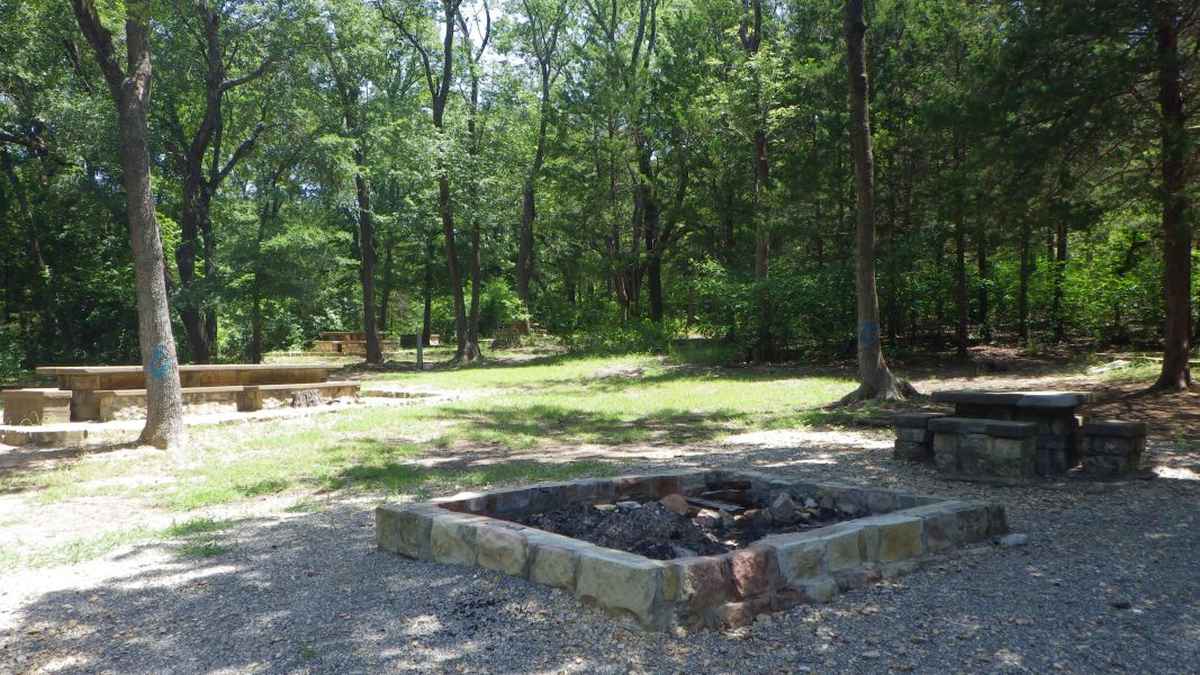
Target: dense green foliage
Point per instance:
(1017, 149)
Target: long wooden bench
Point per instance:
(36, 406)
(247, 397)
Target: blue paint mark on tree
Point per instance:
(868, 333)
(161, 363)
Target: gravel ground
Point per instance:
(1108, 582)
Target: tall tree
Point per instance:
(1176, 226)
(540, 31)
(438, 65)
(349, 85)
(875, 378)
(204, 164)
(130, 89)
(475, 130)
(750, 32)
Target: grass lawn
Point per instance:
(419, 450)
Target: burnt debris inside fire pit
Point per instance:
(676, 526)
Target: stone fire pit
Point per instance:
(881, 533)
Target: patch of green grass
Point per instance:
(541, 371)
(1136, 371)
(75, 551)
(395, 478)
(195, 526)
(203, 549)
(543, 403)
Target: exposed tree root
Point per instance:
(891, 389)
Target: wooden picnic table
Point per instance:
(84, 381)
(1059, 441)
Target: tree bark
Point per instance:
(1023, 282)
(1177, 230)
(961, 336)
(427, 295)
(367, 258)
(131, 92)
(385, 294)
(876, 379)
(981, 253)
(1060, 271)
(200, 185)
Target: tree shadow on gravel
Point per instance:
(309, 593)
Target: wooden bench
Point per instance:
(247, 397)
(36, 406)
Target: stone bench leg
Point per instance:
(104, 406)
(250, 399)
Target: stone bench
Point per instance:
(36, 406)
(1113, 448)
(251, 397)
(985, 449)
(914, 441)
(247, 397)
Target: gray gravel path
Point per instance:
(1109, 582)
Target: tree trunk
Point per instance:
(164, 399)
(876, 379)
(366, 267)
(427, 295)
(385, 294)
(1177, 231)
(476, 286)
(1060, 271)
(525, 241)
(456, 288)
(191, 313)
(961, 336)
(1023, 282)
(981, 245)
(764, 350)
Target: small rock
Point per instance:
(728, 522)
(760, 518)
(1121, 603)
(606, 507)
(783, 509)
(810, 503)
(682, 551)
(675, 503)
(628, 506)
(1011, 540)
(707, 518)
(873, 654)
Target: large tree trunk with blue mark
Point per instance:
(131, 92)
(875, 378)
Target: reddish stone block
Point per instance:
(754, 571)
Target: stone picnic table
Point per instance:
(84, 381)
(1059, 441)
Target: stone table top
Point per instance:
(1017, 399)
(111, 370)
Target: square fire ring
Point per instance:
(689, 549)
